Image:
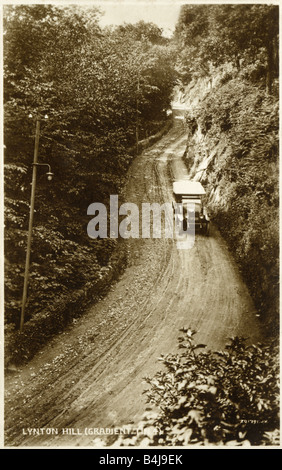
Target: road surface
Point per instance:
(92, 375)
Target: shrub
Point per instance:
(203, 397)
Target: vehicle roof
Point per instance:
(191, 188)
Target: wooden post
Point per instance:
(31, 213)
(137, 114)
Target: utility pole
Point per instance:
(31, 213)
(137, 113)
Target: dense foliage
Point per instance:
(99, 88)
(200, 397)
(210, 36)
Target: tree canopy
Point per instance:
(221, 33)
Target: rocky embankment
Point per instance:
(232, 148)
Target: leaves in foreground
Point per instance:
(228, 397)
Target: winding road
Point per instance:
(92, 375)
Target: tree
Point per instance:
(142, 31)
(216, 34)
(246, 29)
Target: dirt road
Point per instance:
(91, 376)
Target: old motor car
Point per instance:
(189, 207)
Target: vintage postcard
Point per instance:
(140, 239)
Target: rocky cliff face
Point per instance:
(232, 148)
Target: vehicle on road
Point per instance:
(189, 207)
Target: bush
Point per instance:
(228, 397)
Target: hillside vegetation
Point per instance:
(233, 124)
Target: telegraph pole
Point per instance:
(31, 213)
(137, 113)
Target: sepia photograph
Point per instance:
(140, 227)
